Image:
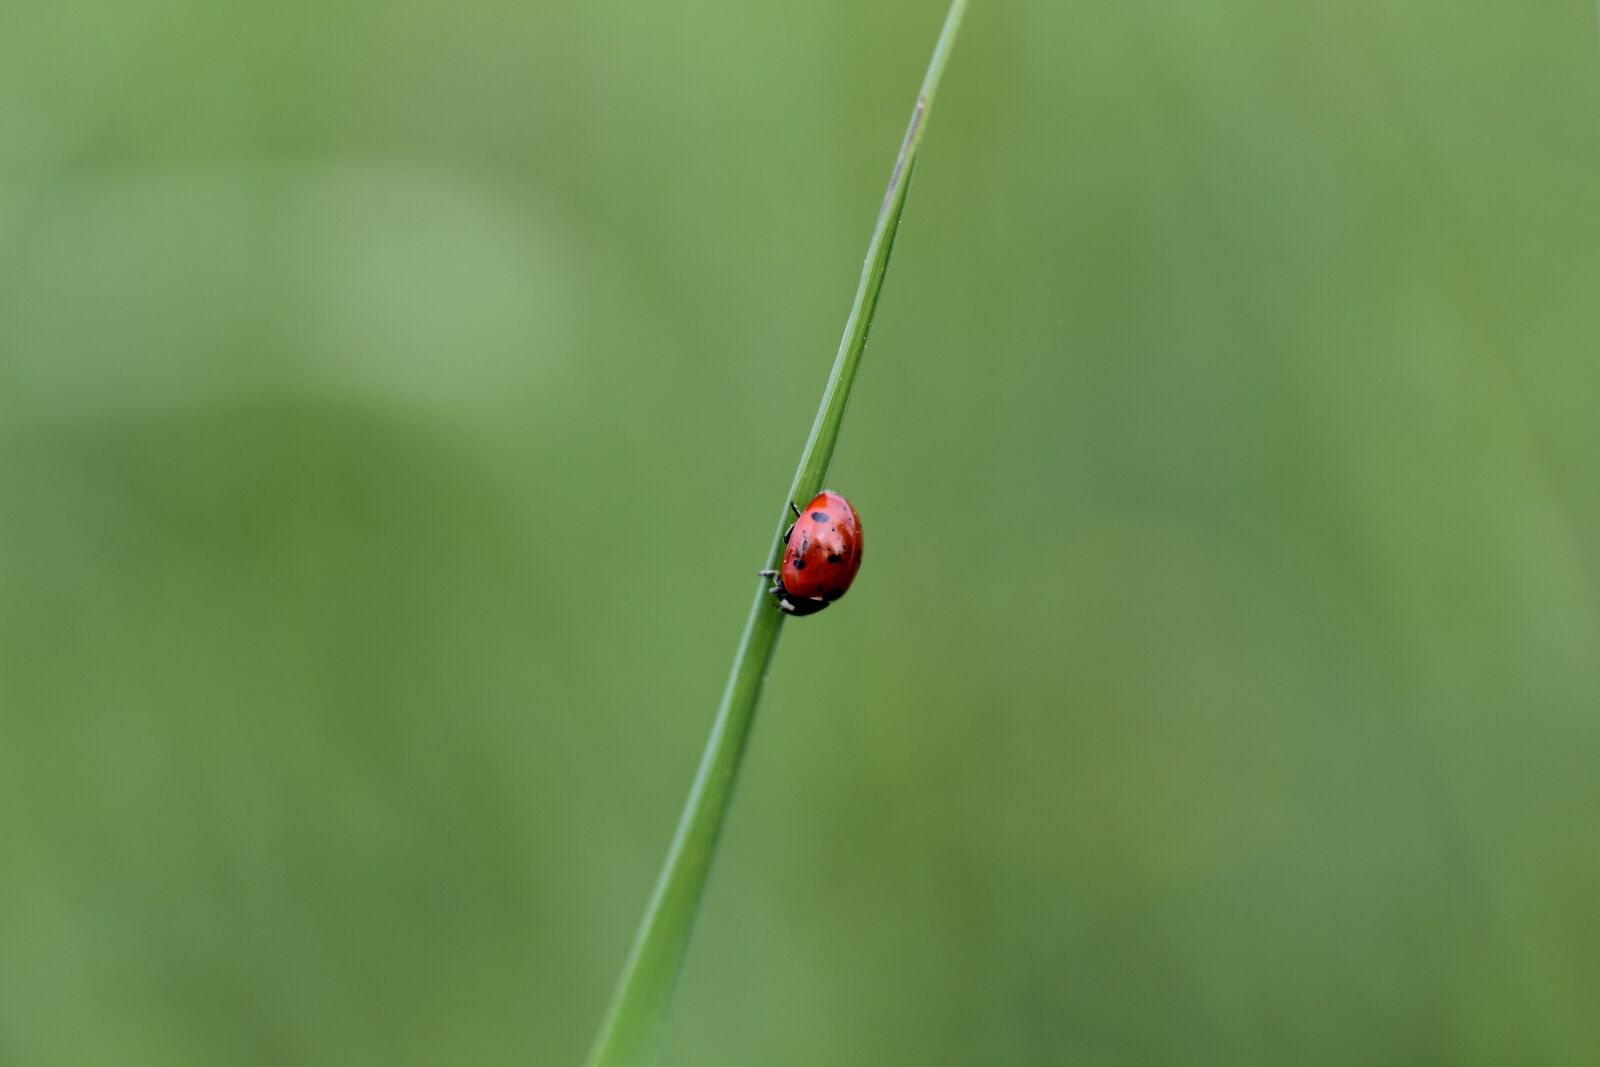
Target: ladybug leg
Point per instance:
(787, 532)
(794, 508)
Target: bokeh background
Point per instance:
(395, 399)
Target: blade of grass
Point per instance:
(638, 1009)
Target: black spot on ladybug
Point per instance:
(805, 542)
(834, 557)
(819, 516)
(799, 564)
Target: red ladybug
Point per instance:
(822, 555)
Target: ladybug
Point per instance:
(821, 557)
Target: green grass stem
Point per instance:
(633, 1022)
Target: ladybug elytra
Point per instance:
(821, 555)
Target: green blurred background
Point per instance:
(395, 399)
